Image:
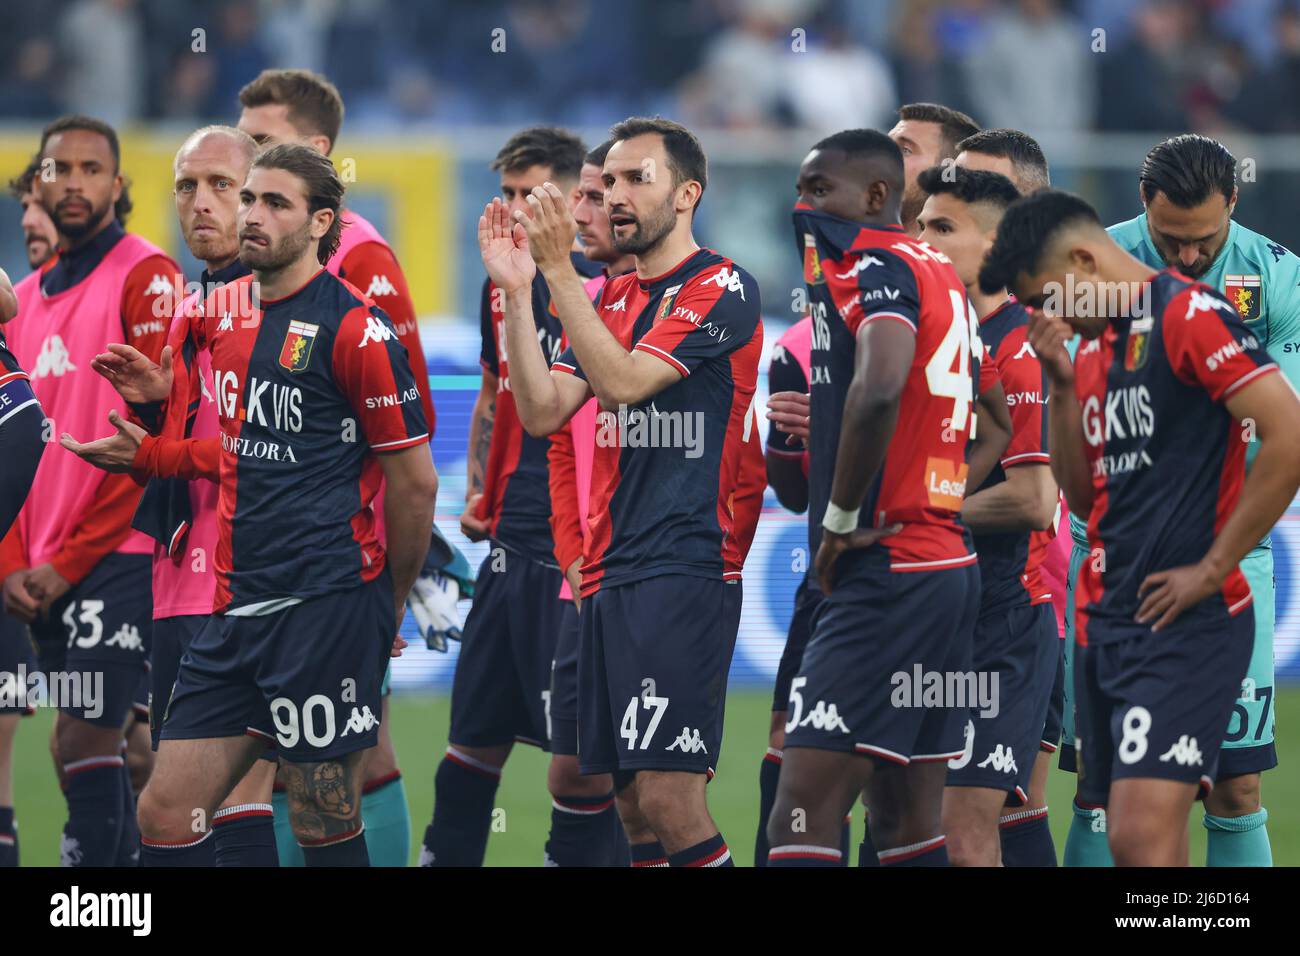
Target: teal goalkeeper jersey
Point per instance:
(1257, 275)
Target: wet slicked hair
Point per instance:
(315, 107)
(969, 185)
(954, 125)
(321, 183)
(868, 143)
(1027, 228)
(1026, 155)
(1188, 169)
(560, 149)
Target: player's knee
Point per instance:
(160, 818)
(668, 799)
(565, 779)
(1235, 796)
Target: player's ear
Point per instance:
(321, 143)
(321, 220)
(1082, 260)
(1232, 203)
(876, 196)
(688, 194)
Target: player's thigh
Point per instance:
(906, 802)
(1146, 820)
(255, 786)
(817, 787)
(194, 775)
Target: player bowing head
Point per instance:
(1188, 186)
(853, 176)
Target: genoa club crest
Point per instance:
(666, 306)
(1243, 292)
(812, 265)
(296, 351)
(1138, 344)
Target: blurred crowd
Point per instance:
(1040, 65)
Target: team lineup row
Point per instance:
(268, 483)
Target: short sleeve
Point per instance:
(879, 286)
(373, 372)
(1209, 345)
(487, 355)
(715, 312)
(1026, 390)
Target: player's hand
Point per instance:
(833, 545)
(1167, 594)
(18, 601)
(573, 574)
(137, 378)
(472, 526)
(399, 644)
(504, 247)
(550, 226)
(114, 454)
(46, 585)
(1048, 336)
(788, 413)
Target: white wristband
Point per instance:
(838, 521)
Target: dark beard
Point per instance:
(79, 230)
(277, 256)
(648, 235)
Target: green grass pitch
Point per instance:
(420, 735)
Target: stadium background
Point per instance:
(433, 89)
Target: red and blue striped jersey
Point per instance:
(308, 388)
(668, 471)
(1166, 457)
(857, 274)
(516, 500)
(1010, 560)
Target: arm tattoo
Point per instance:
(482, 442)
(324, 798)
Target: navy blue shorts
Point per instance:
(806, 601)
(1056, 703)
(503, 676)
(98, 636)
(307, 677)
(1157, 705)
(878, 640)
(652, 673)
(562, 713)
(1021, 647)
(17, 664)
(22, 441)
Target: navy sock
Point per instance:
(128, 841)
(805, 855)
(769, 773)
(648, 854)
(1027, 839)
(581, 834)
(932, 852)
(350, 851)
(464, 791)
(8, 838)
(710, 852)
(198, 852)
(244, 835)
(867, 850)
(95, 812)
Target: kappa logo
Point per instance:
(825, 717)
(360, 721)
(862, 265)
(380, 285)
(376, 331)
(1026, 350)
(1184, 751)
(159, 285)
(227, 324)
(688, 741)
(1000, 759)
(53, 359)
(619, 306)
(728, 280)
(69, 851)
(127, 638)
(1200, 301)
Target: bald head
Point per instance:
(219, 137)
(210, 167)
